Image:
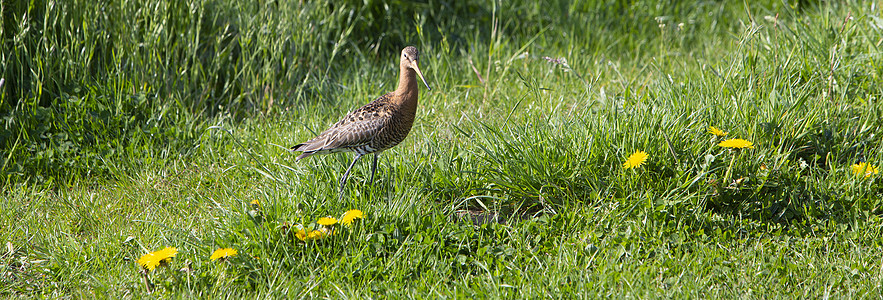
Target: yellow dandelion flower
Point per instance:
(255, 202)
(168, 253)
(318, 234)
(865, 169)
(351, 215)
(154, 259)
(308, 235)
(149, 261)
(736, 143)
(223, 253)
(717, 132)
(635, 160)
(301, 235)
(327, 221)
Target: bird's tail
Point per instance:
(305, 153)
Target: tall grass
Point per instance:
(87, 82)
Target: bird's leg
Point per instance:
(347, 174)
(374, 166)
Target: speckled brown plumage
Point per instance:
(375, 127)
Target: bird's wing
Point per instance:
(352, 131)
(355, 129)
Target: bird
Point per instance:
(376, 126)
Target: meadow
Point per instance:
(133, 127)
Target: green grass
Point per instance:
(131, 126)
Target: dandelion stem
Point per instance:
(147, 283)
(726, 181)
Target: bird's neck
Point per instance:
(407, 90)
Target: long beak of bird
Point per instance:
(414, 66)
